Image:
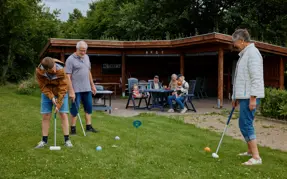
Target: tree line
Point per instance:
(26, 25)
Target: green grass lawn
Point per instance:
(167, 148)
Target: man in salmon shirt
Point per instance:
(54, 85)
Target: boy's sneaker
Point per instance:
(68, 143)
(41, 144)
(170, 111)
(91, 129)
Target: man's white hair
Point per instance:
(82, 44)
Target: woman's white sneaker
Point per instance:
(253, 161)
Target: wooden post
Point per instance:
(182, 64)
(220, 78)
(62, 56)
(281, 73)
(229, 83)
(123, 74)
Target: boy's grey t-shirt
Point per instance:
(79, 68)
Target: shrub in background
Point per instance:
(28, 86)
(274, 104)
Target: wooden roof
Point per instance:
(177, 43)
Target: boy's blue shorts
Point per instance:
(47, 104)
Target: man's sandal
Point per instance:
(245, 154)
(253, 161)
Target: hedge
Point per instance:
(28, 86)
(274, 104)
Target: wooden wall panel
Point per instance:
(145, 68)
(97, 69)
(271, 71)
(203, 66)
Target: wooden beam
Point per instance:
(151, 51)
(44, 50)
(189, 43)
(182, 64)
(89, 51)
(147, 51)
(264, 48)
(62, 56)
(220, 78)
(229, 83)
(281, 73)
(200, 49)
(123, 74)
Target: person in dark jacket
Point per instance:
(156, 84)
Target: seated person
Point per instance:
(179, 86)
(137, 93)
(178, 94)
(156, 84)
(173, 82)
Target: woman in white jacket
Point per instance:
(248, 88)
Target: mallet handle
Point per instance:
(225, 129)
(55, 128)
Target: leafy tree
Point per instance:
(25, 26)
(266, 20)
(73, 27)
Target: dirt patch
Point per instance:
(269, 133)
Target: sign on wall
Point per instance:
(111, 68)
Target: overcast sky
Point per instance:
(67, 6)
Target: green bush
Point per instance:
(274, 104)
(28, 86)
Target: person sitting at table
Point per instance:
(156, 84)
(178, 92)
(178, 95)
(137, 93)
(173, 82)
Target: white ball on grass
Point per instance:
(117, 138)
(99, 148)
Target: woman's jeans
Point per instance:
(246, 118)
(179, 100)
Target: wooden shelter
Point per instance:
(210, 55)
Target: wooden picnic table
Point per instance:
(110, 84)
